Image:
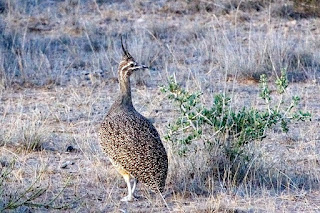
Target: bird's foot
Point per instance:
(128, 198)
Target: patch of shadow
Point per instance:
(94, 46)
(256, 75)
(292, 12)
(283, 11)
(307, 8)
(295, 77)
(109, 2)
(302, 59)
(3, 6)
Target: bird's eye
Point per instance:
(131, 65)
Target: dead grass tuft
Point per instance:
(307, 8)
(246, 6)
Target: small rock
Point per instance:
(66, 164)
(70, 149)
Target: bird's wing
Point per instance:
(133, 142)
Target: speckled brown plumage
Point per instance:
(129, 139)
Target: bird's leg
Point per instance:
(135, 181)
(129, 197)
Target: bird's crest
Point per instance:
(124, 50)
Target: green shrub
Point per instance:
(230, 128)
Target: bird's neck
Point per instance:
(125, 91)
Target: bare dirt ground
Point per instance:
(58, 79)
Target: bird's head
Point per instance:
(128, 65)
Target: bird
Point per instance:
(130, 140)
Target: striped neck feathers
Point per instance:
(126, 67)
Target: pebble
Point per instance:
(66, 164)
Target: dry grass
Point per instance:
(307, 8)
(58, 69)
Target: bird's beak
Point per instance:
(142, 67)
